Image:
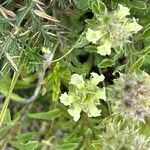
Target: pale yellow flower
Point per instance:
(96, 78)
(93, 36)
(84, 95)
(92, 110)
(101, 94)
(77, 80)
(122, 12)
(45, 50)
(66, 99)
(105, 49)
(132, 26)
(75, 112)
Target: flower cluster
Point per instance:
(117, 138)
(84, 95)
(112, 30)
(133, 98)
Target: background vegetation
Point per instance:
(42, 44)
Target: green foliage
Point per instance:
(74, 74)
(46, 115)
(25, 146)
(98, 8)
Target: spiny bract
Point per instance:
(133, 95)
(118, 138)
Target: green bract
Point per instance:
(84, 95)
(112, 30)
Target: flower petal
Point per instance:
(93, 36)
(133, 27)
(93, 111)
(77, 80)
(96, 78)
(75, 112)
(122, 12)
(64, 98)
(105, 49)
(101, 94)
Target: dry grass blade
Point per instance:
(6, 12)
(39, 7)
(45, 16)
(3, 13)
(16, 30)
(24, 33)
(10, 60)
(39, 2)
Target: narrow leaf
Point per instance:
(45, 16)
(106, 63)
(139, 4)
(46, 115)
(98, 8)
(137, 65)
(8, 12)
(31, 145)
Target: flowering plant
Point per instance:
(74, 75)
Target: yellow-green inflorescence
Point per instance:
(84, 95)
(113, 30)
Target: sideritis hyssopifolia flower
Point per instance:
(112, 30)
(117, 138)
(133, 95)
(84, 95)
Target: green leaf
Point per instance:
(106, 63)
(144, 51)
(4, 130)
(13, 95)
(119, 68)
(4, 88)
(68, 146)
(56, 89)
(117, 50)
(23, 13)
(72, 135)
(139, 4)
(26, 82)
(31, 145)
(114, 3)
(146, 33)
(81, 42)
(7, 118)
(137, 65)
(98, 8)
(59, 73)
(49, 77)
(46, 115)
(146, 61)
(24, 137)
(91, 49)
(81, 4)
(56, 82)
